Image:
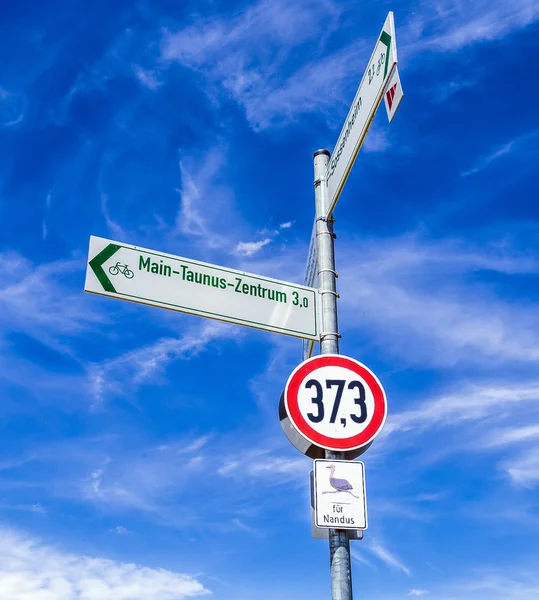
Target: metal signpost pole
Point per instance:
(339, 543)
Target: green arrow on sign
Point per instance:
(97, 266)
(385, 38)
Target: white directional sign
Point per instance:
(339, 494)
(362, 111)
(158, 279)
(335, 402)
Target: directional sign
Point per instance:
(339, 494)
(309, 280)
(362, 111)
(335, 402)
(158, 279)
(393, 94)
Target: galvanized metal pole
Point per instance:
(339, 543)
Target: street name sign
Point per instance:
(335, 402)
(362, 111)
(185, 285)
(340, 501)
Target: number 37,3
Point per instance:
(318, 400)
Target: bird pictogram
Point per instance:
(339, 485)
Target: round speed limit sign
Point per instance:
(335, 402)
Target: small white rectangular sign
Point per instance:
(185, 285)
(362, 111)
(393, 94)
(340, 500)
(311, 268)
(309, 279)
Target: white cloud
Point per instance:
(264, 463)
(523, 469)
(241, 525)
(121, 530)
(417, 592)
(30, 570)
(286, 225)
(512, 435)
(376, 141)
(492, 585)
(120, 375)
(148, 78)
(419, 301)
(205, 202)
(358, 557)
(196, 444)
(116, 230)
(44, 228)
(472, 403)
(250, 248)
(39, 301)
(387, 557)
(11, 108)
(247, 54)
(504, 150)
(449, 25)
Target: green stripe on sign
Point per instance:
(385, 38)
(97, 266)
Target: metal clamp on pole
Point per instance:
(329, 292)
(328, 271)
(326, 333)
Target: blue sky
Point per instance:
(142, 455)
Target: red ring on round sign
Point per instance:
(299, 375)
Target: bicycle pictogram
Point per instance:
(119, 268)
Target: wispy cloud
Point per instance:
(120, 530)
(38, 300)
(405, 282)
(148, 78)
(360, 558)
(473, 403)
(387, 557)
(203, 199)
(116, 230)
(449, 25)
(31, 569)
(492, 584)
(523, 469)
(417, 592)
(511, 436)
(498, 153)
(11, 108)
(250, 248)
(264, 463)
(147, 363)
(247, 54)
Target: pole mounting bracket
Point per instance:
(325, 334)
(329, 271)
(329, 292)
